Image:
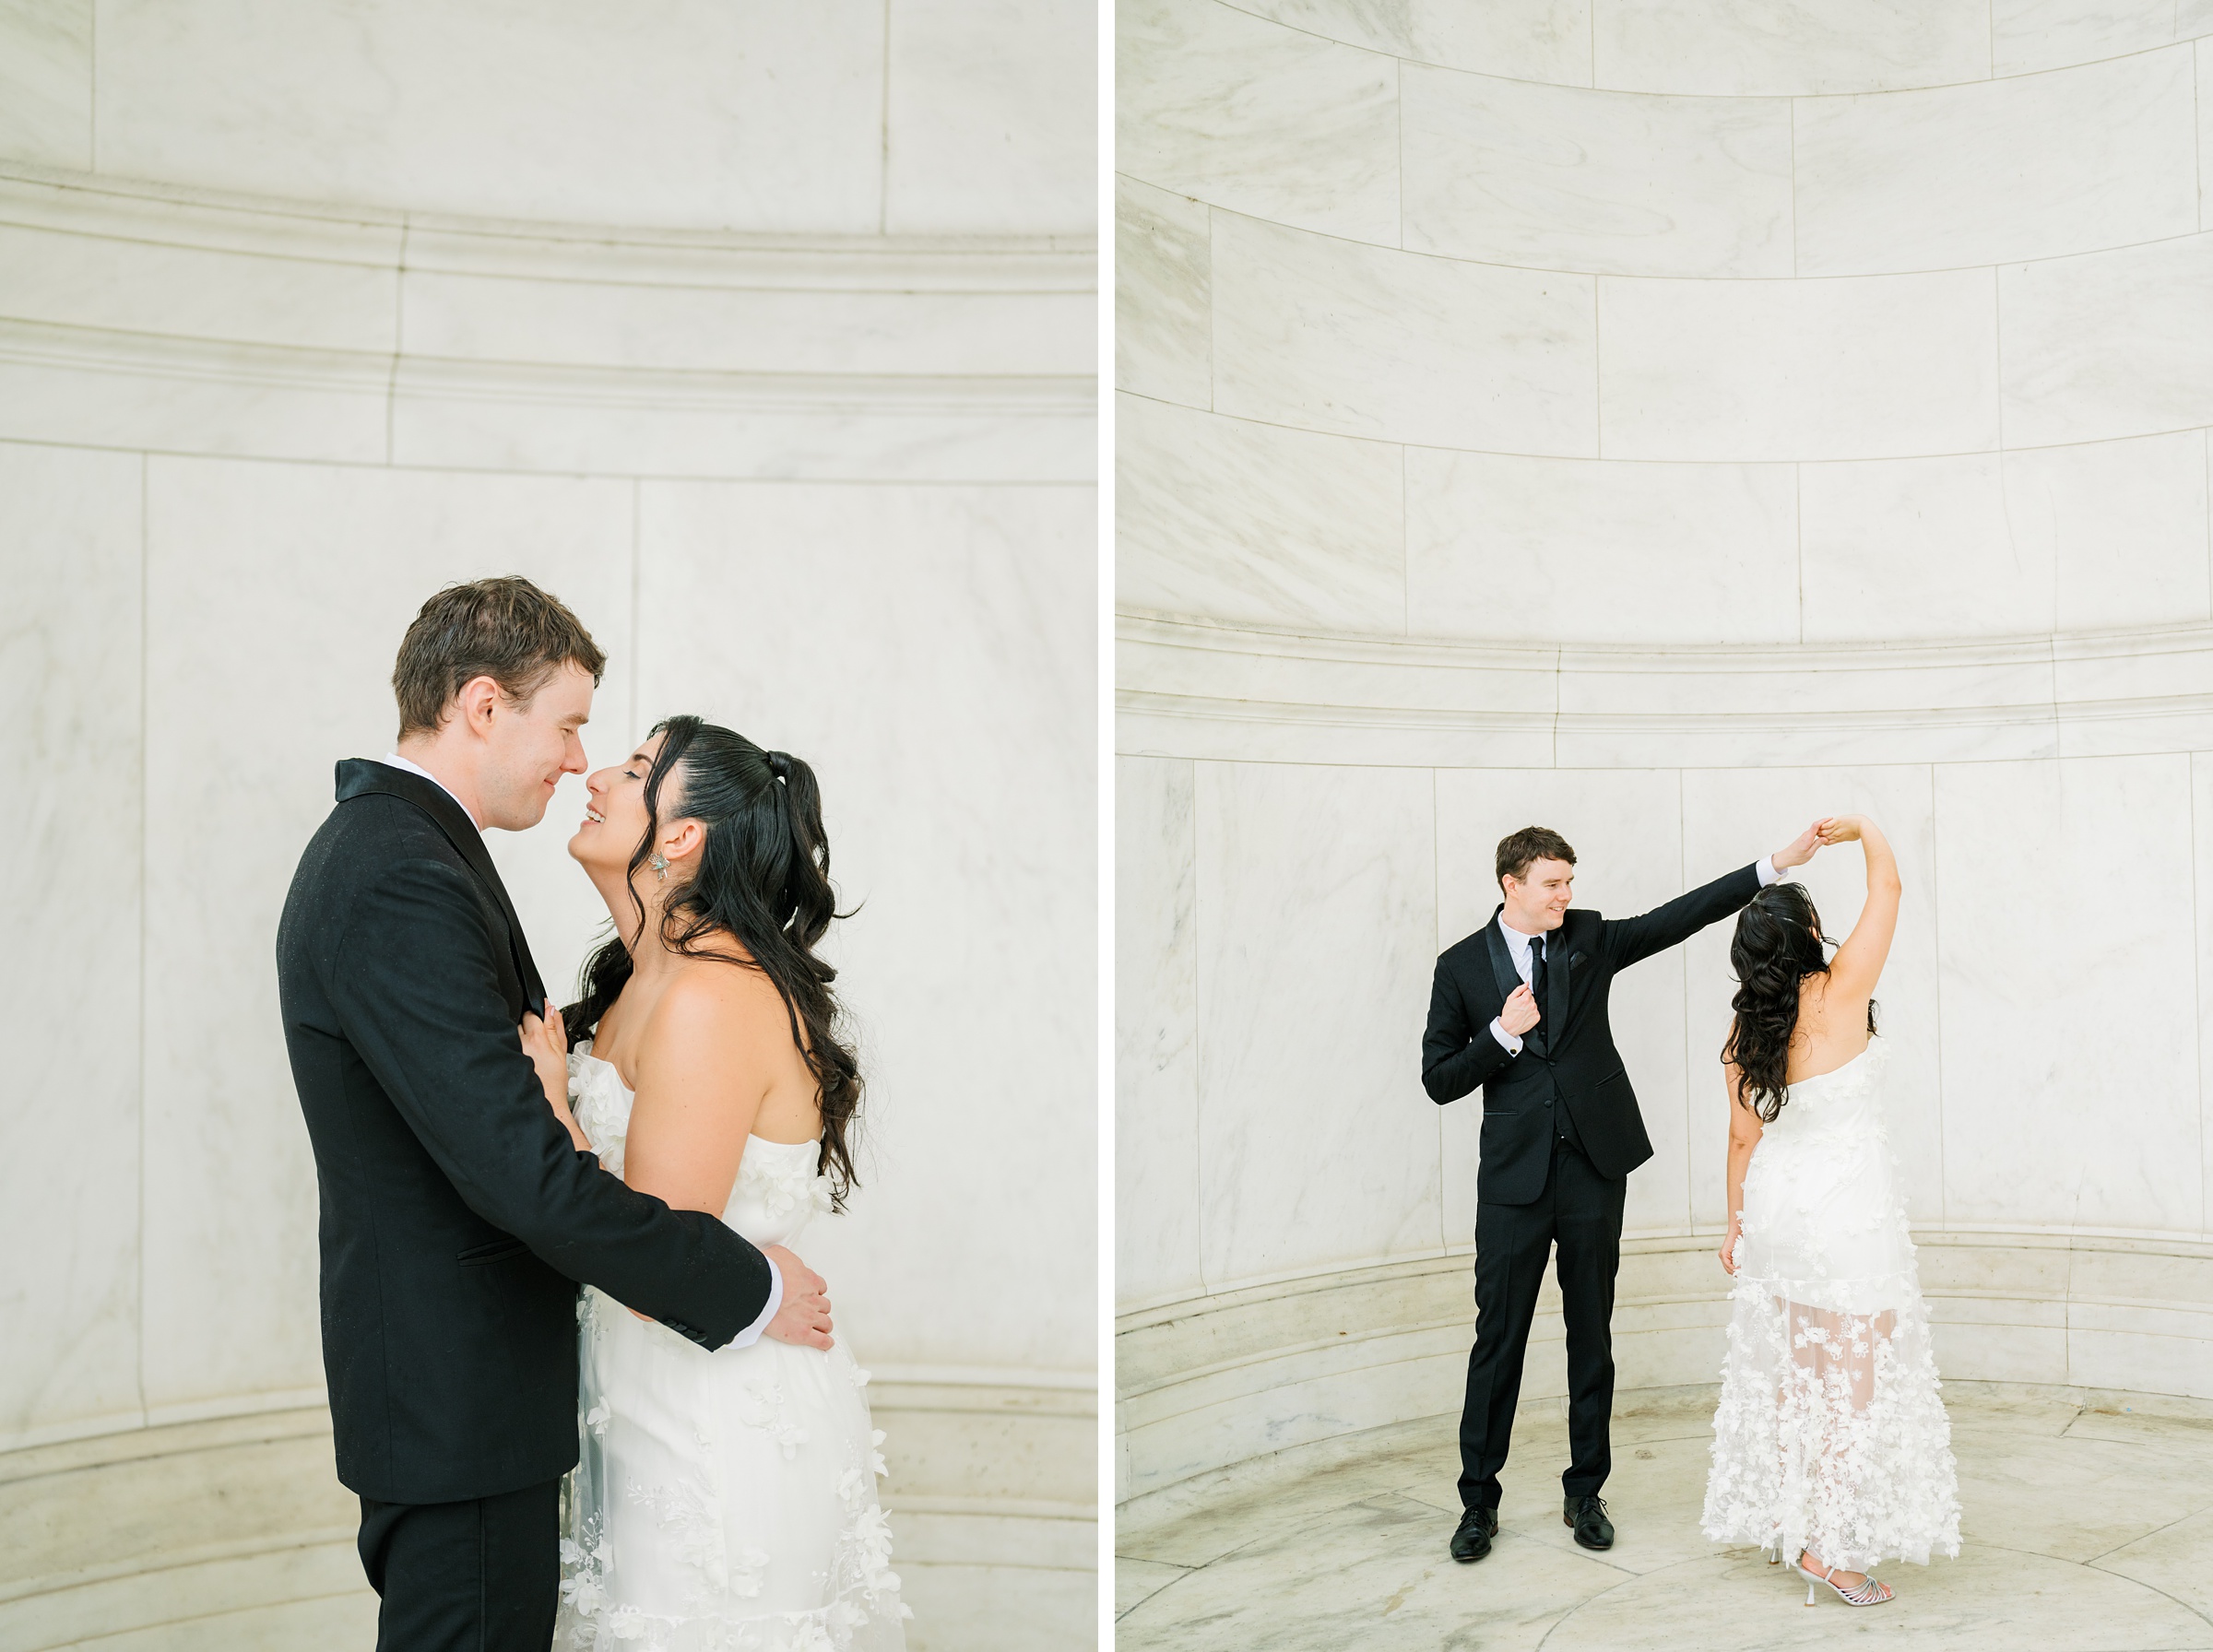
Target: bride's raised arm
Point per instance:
(1859, 961)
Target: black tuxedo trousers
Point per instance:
(1578, 1214)
(478, 1575)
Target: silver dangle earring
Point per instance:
(660, 867)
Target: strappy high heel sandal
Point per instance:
(1866, 1592)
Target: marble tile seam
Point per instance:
(1369, 1337)
(1196, 707)
(1698, 463)
(649, 478)
(1790, 283)
(1032, 1508)
(1204, 1394)
(1366, 1274)
(253, 217)
(1990, 79)
(174, 1559)
(462, 379)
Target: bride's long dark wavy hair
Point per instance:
(1778, 944)
(765, 878)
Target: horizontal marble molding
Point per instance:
(992, 1499)
(1192, 689)
(180, 321)
(1747, 47)
(853, 115)
(1214, 1380)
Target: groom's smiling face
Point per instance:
(529, 745)
(1539, 902)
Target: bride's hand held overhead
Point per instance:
(1801, 848)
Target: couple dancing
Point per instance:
(1831, 1447)
(481, 1154)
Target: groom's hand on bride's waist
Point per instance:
(804, 1317)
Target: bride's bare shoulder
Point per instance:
(720, 992)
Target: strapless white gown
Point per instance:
(1830, 1433)
(725, 1501)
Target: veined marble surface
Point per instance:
(1870, 322)
(1749, 48)
(71, 884)
(1509, 172)
(2084, 1528)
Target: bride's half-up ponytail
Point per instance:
(1777, 943)
(763, 878)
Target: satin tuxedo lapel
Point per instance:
(359, 777)
(1502, 959)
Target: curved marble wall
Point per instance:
(1668, 423)
(804, 427)
(1731, 324)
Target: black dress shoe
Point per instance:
(1472, 1539)
(1588, 1516)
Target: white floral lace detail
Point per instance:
(1831, 1433)
(783, 1182)
(713, 1580)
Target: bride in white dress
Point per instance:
(724, 1501)
(1831, 1446)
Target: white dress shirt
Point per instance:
(1522, 946)
(752, 1334)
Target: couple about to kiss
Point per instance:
(1831, 1447)
(554, 1234)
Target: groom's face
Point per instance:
(1538, 902)
(530, 745)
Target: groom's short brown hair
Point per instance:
(505, 629)
(1517, 849)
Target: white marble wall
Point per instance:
(1707, 322)
(1280, 1125)
(195, 641)
(1667, 423)
(835, 489)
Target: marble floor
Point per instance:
(2082, 1531)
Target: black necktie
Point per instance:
(1536, 986)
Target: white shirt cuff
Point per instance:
(1765, 867)
(752, 1334)
(1514, 1044)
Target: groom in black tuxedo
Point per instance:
(458, 1218)
(1518, 1009)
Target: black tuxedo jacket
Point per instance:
(1569, 1059)
(456, 1217)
